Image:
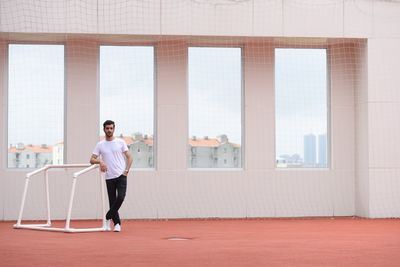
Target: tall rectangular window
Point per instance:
(301, 97)
(127, 98)
(35, 105)
(215, 107)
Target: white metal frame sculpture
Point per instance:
(67, 228)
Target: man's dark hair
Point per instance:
(108, 122)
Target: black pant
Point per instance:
(116, 189)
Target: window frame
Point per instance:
(328, 108)
(242, 107)
(135, 44)
(7, 93)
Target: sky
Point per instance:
(300, 97)
(127, 93)
(127, 88)
(35, 71)
(215, 92)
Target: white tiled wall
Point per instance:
(33, 16)
(343, 191)
(310, 18)
(259, 191)
(383, 120)
(358, 18)
(129, 17)
(268, 19)
(234, 19)
(303, 193)
(385, 191)
(364, 115)
(81, 16)
(384, 78)
(384, 132)
(302, 18)
(176, 17)
(386, 19)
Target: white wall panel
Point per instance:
(87, 200)
(383, 114)
(234, 18)
(172, 137)
(385, 193)
(342, 138)
(343, 191)
(14, 185)
(201, 194)
(268, 18)
(383, 70)
(386, 19)
(203, 18)
(81, 134)
(172, 60)
(313, 18)
(216, 193)
(171, 194)
(33, 16)
(259, 139)
(176, 17)
(305, 18)
(362, 193)
(362, 183)
(231, 198)
(361, 83)
(141, 195)
(129, 17)
(260, 192)
(81, 16)
(259, 114)
(303, 193)
(384, 132)
(358, 18)
(342, 74)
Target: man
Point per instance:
(115, 160)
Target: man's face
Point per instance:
(109, 130)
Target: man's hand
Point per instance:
(95, 160)
(103, 166)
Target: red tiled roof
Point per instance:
(32, 148)
(130, 140)
(210, 142)
(204, 142)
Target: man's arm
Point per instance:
(129, 160)
(94, 159)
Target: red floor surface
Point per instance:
(269, 242)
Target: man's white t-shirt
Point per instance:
(112, 153)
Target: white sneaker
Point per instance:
(117, 228)
(107, 226)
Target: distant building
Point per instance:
(289, 161)
(310, 150)
(203, 153)
(29, 156)
(141, 148)
(214, 153)
(58, 153)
